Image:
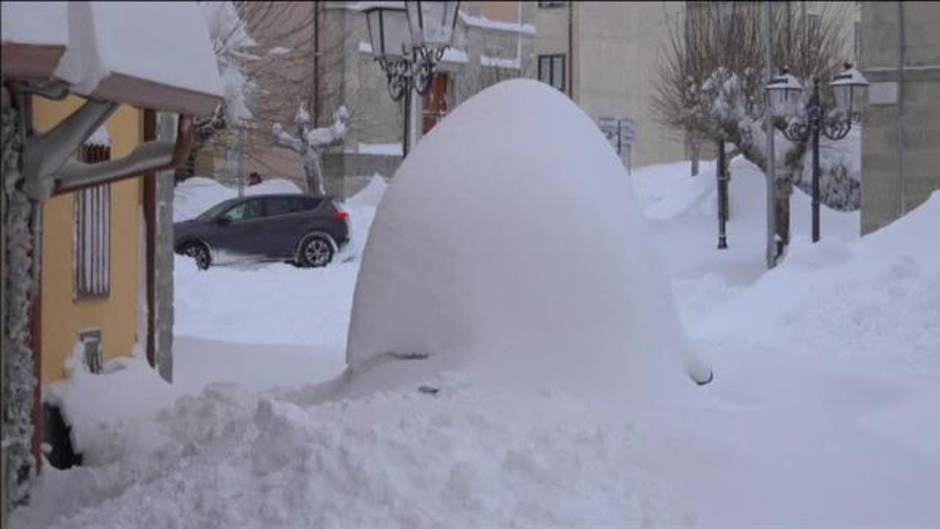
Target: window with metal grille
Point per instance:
(93, 231)
(552, 70)
(91, 343)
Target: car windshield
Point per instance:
(214, 211)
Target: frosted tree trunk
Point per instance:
(314, 172)
(310, 143)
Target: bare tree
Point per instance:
(310, 142)
(710, 79)
(286, 63)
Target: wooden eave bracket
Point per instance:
(48, 168)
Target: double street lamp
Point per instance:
(786, 92)
(408, 41)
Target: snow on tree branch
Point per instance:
(310, 143)
(231, 41)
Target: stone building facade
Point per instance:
(900, 57)
(610, 52)
(493, 41)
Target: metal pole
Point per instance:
(899, 116)
(240, 162)
(721, 172)
(771, 251)
(406, 118)
(815, 118)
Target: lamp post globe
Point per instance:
(785, 93)
(848, 86)
(431, 23)
(408, 41)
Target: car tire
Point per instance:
(200, 253)
(316, 251)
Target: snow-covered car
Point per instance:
(304, 230)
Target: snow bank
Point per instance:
(195, 195)
(874, 301)
(103, 426)
(682, 210)
(518, 268)
(401, 460)
(370, 195)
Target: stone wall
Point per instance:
(347, 173)
(885, 195)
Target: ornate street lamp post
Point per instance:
(408, 42)
(785, 93)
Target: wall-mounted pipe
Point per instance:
(571, 51)
(899, 119)
(147, 157)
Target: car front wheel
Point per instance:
(316, 251)
(199, 253)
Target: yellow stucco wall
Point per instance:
(63, 318)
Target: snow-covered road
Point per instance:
(825, 412)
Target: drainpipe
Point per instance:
(571, 50)
(899, 121)
(316, 64)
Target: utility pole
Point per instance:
(240, 161)
(721, 171)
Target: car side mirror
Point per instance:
(223, 221)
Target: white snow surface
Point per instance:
(823, 413)
(100, 137)
(484, 258)
(454, 55)
(497, 62)
(43, 23)
(485, 23)
(384, 149)
(108, 38)
(247, 304)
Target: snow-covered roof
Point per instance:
(784, 81)
(156, 55)
(100, 137)
(454, 55)
(496, 62)
(849, 77)
(485, 23)
(44, 23)
(35, 35)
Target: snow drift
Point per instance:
(510, 245)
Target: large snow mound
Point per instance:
(510, 244)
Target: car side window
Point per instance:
(277, 206)
(306, 203)
(247, 210)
